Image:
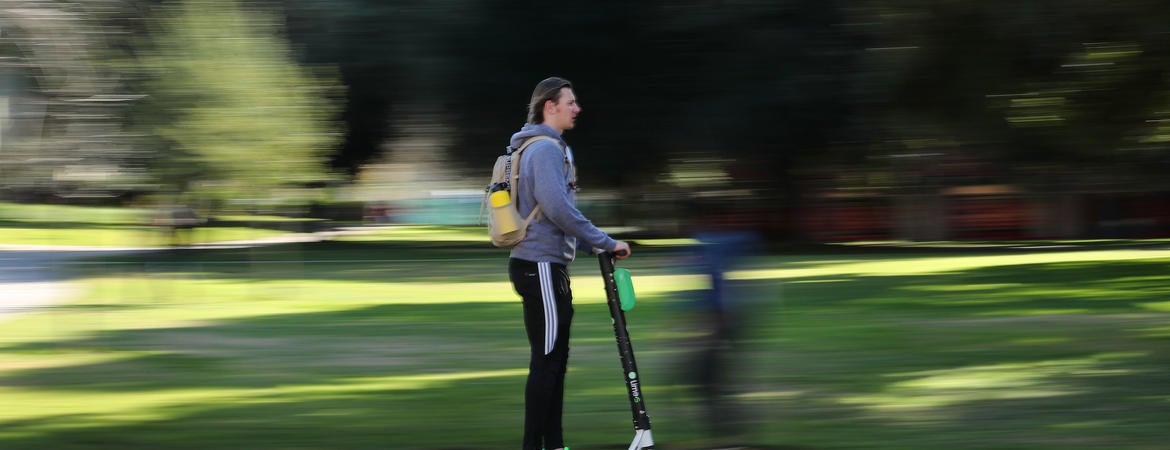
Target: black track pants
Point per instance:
(548, 313)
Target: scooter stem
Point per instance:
(642, 436)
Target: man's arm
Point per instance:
(551, 192)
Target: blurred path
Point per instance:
(32, 276)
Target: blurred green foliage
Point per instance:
(235, 115)
(267, 94)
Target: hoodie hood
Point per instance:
(530, 130)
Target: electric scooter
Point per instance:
(620, 295)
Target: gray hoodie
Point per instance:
(545, 180)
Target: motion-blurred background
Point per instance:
(822, 120)
(890, 224)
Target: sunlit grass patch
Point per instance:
(931, 265)
(75, 214)
(421, 233)
(937, 389)
(1020, 244)
(1157, 306)
(65, 225)
(16, 233)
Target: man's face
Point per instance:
(562, 115)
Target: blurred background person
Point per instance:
(724, 235)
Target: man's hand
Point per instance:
(618, 250)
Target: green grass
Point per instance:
(86, 234)
(1024, 244)
(67, 213)
(64, 225)
(421, 347)
(412, 234)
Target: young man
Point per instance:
(537, 266)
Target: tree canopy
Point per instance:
(779, 89)
(229, 104)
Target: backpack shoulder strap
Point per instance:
(530, 141)
(514, 174)
(514, 159)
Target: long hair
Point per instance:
(549, 89)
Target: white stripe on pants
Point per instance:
(549, 296)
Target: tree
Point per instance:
(1071, 83)
(233, 113)
(62, 105)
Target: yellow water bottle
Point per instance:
(503, 216)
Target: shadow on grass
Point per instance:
(376, 377)
(360, 419)
(387, 376)
(373, 377)
(966, 359)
